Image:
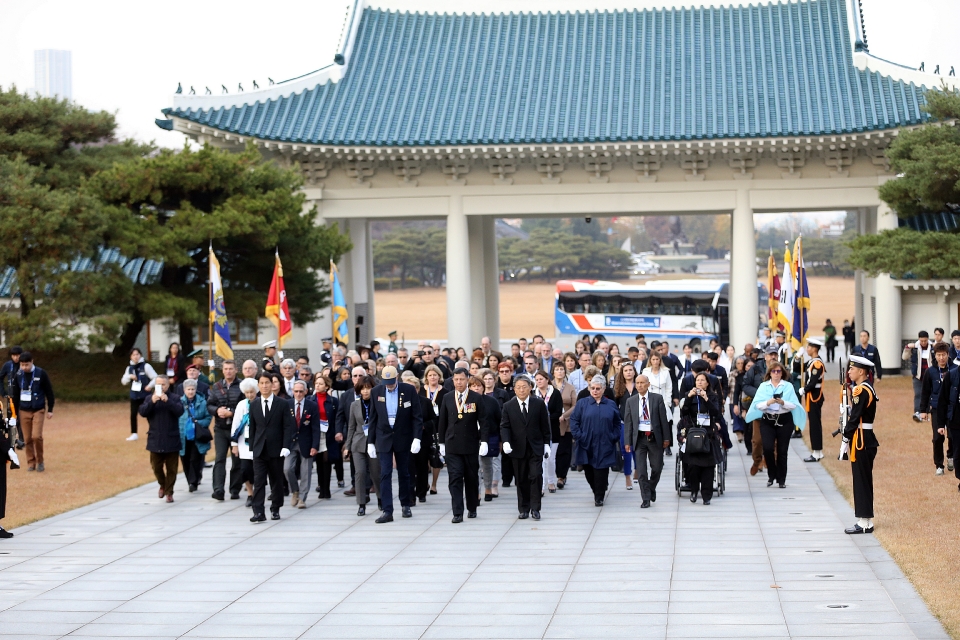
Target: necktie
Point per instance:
(646, 414)
(523, 410)
(266, 407)
(298, 412)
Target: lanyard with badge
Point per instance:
(136, 385)
(170, 367)
(644, 415)
(25, 392)
(436, 409)
(703, 419)
(365, 406)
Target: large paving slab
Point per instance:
(756, 563)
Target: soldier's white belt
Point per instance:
(866, 425)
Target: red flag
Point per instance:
(277, 310)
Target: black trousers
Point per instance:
(324, 473)
(3, 478)
(597, 479)
(528, 473)
(134, 413)
(776, 447)
(564, 451)
(422, 472)
(955, 437)
(701, 479)
(863, 482)
(192, 462)
(266, 467)
(463, 471)
(246, 471)
(815, 420)
(646, 450)
(938, 442)
(748, 435)
(221, 443)
(506, 472)
(831, 350)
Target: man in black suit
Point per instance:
(525, 432)
(396, 425)
(646, 434)
(272, 427)
(463, 439)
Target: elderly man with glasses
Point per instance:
(305, 415)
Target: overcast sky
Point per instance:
(129, 56)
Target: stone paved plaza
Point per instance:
(758, 562)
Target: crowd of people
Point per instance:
(528, 417)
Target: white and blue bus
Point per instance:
(678, 311)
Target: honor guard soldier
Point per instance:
(812, 394)
(860, 443)
(270, 362)
(392, 347)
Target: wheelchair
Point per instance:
(719, 474)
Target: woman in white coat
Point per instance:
(240, 434)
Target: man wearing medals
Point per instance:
(463, 439)
(860, 444)
(812, 394)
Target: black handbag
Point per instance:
(617, 465)
(698, 440)
(202, 435)
(436, 461)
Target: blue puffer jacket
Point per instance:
(195, 416)
(596, 428)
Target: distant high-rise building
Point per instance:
(52, 72)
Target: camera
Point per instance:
(420, 354)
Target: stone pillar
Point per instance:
(858, 288)
(744, 304)
(478, 290)
(459, 315)
(943, 312)
(888, 318)
(361, 282)
(491, 280)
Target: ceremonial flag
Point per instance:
(785, 308)
(802, 296)
(338, 307)
(278, 312)
(218, 312)
(773, 291)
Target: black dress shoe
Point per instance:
(433, 492)
(797, 434)
(706, 502)
(488, 498)
(457, 519)
(769, 483)
(471, 514)
(4, 534)
(668, 452)
(249, 502)
(385, 517)
(258, 518)
(341, 484)
(234, 496)
(561, 484)
(598, 503)
(407, 513)
(535, 514)
(217, 496)
(857, 529)
(653, 495)
(524, 515)
(422, 498)
(783, 485)
(362, 511)
(810, 458)
(693, 496)
(274, 515)
(505, 484)
(645, 504)
(191, 488)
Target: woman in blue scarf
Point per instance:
(777, 407)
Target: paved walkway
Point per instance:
(758, 562)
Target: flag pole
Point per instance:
(333, 319)
(210, 311)
(276, 283)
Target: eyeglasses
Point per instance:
(776, 371)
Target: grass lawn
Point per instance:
(917, 513)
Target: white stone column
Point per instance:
(478, 290)
(361, 280)
(459, 316)
(889, 328)
(491, 280)
(744, 305)
(943, 312)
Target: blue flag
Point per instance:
(339, 307)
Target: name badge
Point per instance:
(25, 395)
(366, 430)
(703, 419)
(436, 410)
(406, 405)
(644, 425)
(381, 399)
(170, 372)
(324, 426)
(136, 385)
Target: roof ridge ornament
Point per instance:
(351, 23)
(859, 26)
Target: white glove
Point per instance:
(507, 449)
(13, 457)
(12, 422)
(415, 447)
(484, 448)
(284, 452)
(443, 451)
(372, 450)
(546, 452)
(844, 449)
(802, 391)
